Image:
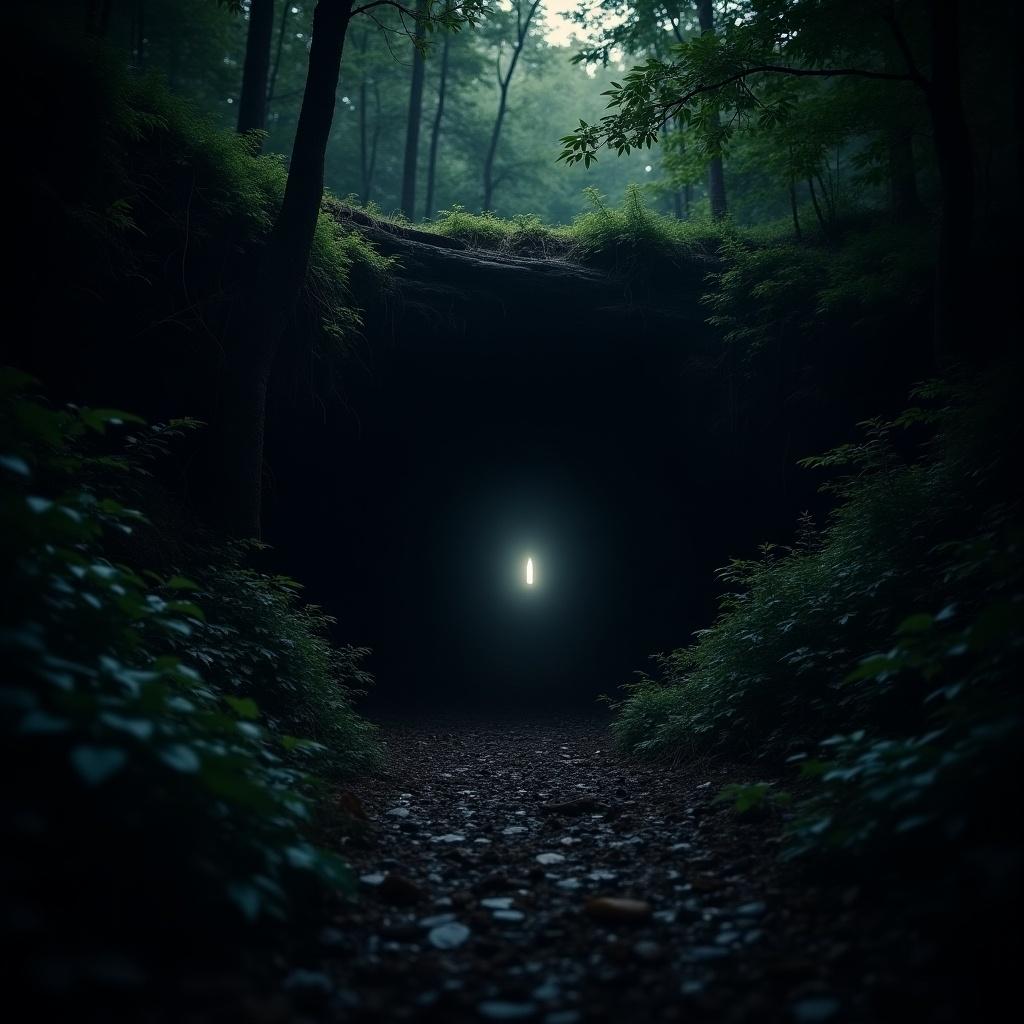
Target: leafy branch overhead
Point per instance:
(716, 84)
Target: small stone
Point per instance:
(497, 902)
(618, 910)
(449, 837)
(704, 953)
(496, 1009)
(814, 1009)
(648, 951)
(754, 909)
(509, 915)
(581, 805)
(547, 992)
(399, 812)
(448, 936)
(549, 858)
(373, 879)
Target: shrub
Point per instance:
(153, 798)
(524, 235)
(635, 242)
(892, 637)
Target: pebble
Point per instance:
(549, 858)
(498, 1010)
(648, 951)
(448, 936)
(814, 1009)
(509, 915)
(497, 902)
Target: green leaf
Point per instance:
(97, 764)
(181, 583)
(181, 758)
(244, 707)
(918, 623)
(15, 464)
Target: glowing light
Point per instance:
(529, 572)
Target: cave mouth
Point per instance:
(493, 551)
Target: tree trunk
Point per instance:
(364, 174)
(817, 207)
(275, 70)
(522, 29)
(435, 134)
(492, 148)
(716, 173)
(956, 174)
(252, 104)
(412, 129)
(138, 33)
(904, 200)
(98, 17)
(263, 311)
(794, 210)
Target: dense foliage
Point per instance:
(166, 729)
(161, 215)
(879, 653)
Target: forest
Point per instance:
(507, 511)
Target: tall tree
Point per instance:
(252, 103)
(524, 12)
(435, 134)
(716, 173)
(955, 158)
(278, 54)
(807, 41)
(412, 128)
(267, 304)
(367, 140)
(265, 307)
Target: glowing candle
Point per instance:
(529, 572)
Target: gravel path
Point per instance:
(522, 871)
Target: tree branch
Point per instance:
(904, 47)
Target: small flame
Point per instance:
(529, 572)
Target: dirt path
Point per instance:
(490, 850)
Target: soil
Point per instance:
(524, 871)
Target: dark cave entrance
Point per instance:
(410, 515)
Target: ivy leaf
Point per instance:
(97, 764)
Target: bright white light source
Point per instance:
(529, 572)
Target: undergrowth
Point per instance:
(170, 730)
(878, 655)
(163, 214)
